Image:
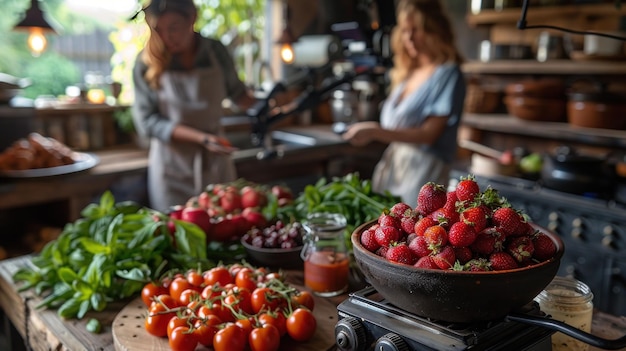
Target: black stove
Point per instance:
(368, 322)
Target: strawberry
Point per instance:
(230, 200)
(407, 223)
(400, 209)
(368, 240)
(486, 241)
(521, 248)
(461, 234)
(544, 246)
(419, 247)
(467, 189)
(430, 197)
(252, 197)
(451, 200)
(476, 217)
(508, 221)
(445, 216)
(388, 219)
(426, 262)
(501, 261)
(444, 258)
(382, 251)
(400, 253)
(477, 265)
(387, 235)
(422, 224)
(463, 254)
(436, 236)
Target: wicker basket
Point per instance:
(481, 100)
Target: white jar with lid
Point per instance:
(568, 300)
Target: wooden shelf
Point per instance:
(545, 13)
(558, 67)
(502, 123)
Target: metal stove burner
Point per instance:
(368, 322)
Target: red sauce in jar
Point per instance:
(326, 272)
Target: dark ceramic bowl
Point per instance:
(274, 258)
(455, 296)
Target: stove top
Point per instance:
(368, 322)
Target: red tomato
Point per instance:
(188, 296)
(177, 287)
(176, 321)
(246, 278)
(239, 300)
(164, 300)
(211, 291)
(157, 320)
(151, 290)
(206, 328)
(183, 339)
(275, 318)
(194, 278)
(301, 324)
(245, 324)
(264, 298)
(265, 338)
(230, 338)
(217, 275)
(303, 298)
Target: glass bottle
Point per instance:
(568, 300)
(326, 261)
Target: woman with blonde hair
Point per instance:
(420, 117)
(180, 81)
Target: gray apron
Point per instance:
(178, 170)
(404, 168)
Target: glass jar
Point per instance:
(568, 300)
(326, 262)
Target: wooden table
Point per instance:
(44, 330)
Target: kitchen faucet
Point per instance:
(263, 115)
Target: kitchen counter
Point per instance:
(44, 330)
(329, 155)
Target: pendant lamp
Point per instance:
(37, 26)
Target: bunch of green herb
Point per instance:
(109, 254)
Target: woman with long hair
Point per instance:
(420, 117)
(180, 81)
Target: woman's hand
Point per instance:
(218, 144)
(362, 133)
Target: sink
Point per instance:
(243, 141)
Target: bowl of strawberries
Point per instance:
(459, 256)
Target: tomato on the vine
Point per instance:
(276, 318)
(176, 321)
(183, 339)
(264, 298)
(239, 300)
(230, 338)
(188, 296)
(246, 278)
(150, 290)
(245, 324)
(195, 278)
(219, 275)
(301, 324)
(177, 287)
(157, 320)
(264, 338)
(303, 298)
(206, 328)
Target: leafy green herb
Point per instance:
(109, 255)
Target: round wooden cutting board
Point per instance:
(129, 333)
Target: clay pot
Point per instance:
(597, 110)
(536, 108)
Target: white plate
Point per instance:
(84, 161)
